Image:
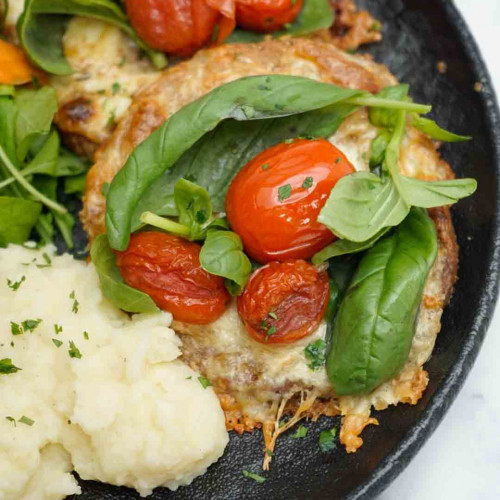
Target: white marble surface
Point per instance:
(461, 461)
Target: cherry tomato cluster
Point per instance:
(181, 27)
(273, 204)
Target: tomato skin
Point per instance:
(168, 269)
(179, 27)
(289, 297)
(266, 15)
(279, 230)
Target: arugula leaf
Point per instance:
(315, 15)
(222, 254)
(378, 147)
(381, 117)
(35, 112)
(112, 285)
(42, 25)
(434, 131)
(6, 367)
(17, 219)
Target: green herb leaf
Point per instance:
(382, 117)
(255, 477)
(300, 433)
(14, 285)
(42, 25)
(25, 213)
(15, 328)
(76, 305)
(204, 382)
(284, 192)
(112, 284)
(57, 342)
(327, 440)
(434, 131)
(13, 420)
(315, 354)
(73, 351)
(308, 182)
(29, 325)
(26, 421)
(222, 254)
(6, 367)
(86, 335)
(58, 329)
(378, 148)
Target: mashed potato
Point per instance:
(98, 392)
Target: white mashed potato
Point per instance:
(126, 412)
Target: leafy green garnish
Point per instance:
(327, 440)
(284, 192)
(315, 354)
(73, 351)
(15, 328)
(112, 284)
(308, 182)
(13, 420)
(204, 382)
(252, 475)
(29, 325)
(300, 433)
(14, 285)
(27, 421)
(76, 305)
(57, 342)
(58, 329)
(6, 367)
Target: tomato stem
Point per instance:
(166, 224)
(389, 104)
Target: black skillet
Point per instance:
(417, 35)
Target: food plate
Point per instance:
(417, 36)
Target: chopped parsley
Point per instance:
(376, 27)
(189, 378)
(327, 440)
(15, 328)
(255, 477)
(26, 421)
(115, 88)
(204, 382)
(58, 328)
(284, 192)
(337, 160)
(73, 351)
(273, 315)
(111, 120)
(282, 423)
(265, 166)
(13, 420)
(57, 343)
(270, 453)
(308, 182)
(76, 304)
(14, 285)
(300, 433)
(30, 324)
(86, 335)
(315, 353)
(47, 259)
(6, 367)
(270, 332)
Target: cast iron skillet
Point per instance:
(416, 36)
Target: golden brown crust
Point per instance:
(211, 68)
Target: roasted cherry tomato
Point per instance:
(179, 27)
(266, 15)
(274, 200)
(168, 269)
(284, 301)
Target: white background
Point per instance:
(461, 461)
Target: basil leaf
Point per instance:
(43, 22)
(112, 285)
(378, 148)
(193, 206)
(227, 149)
(250, 98)
(382, 117)
(434, 131)
(361, 205)
(344, 247)
(222, 254)
(35, 112)
(428, 194)
(315, 15)
(17, 219)
(375, 324)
